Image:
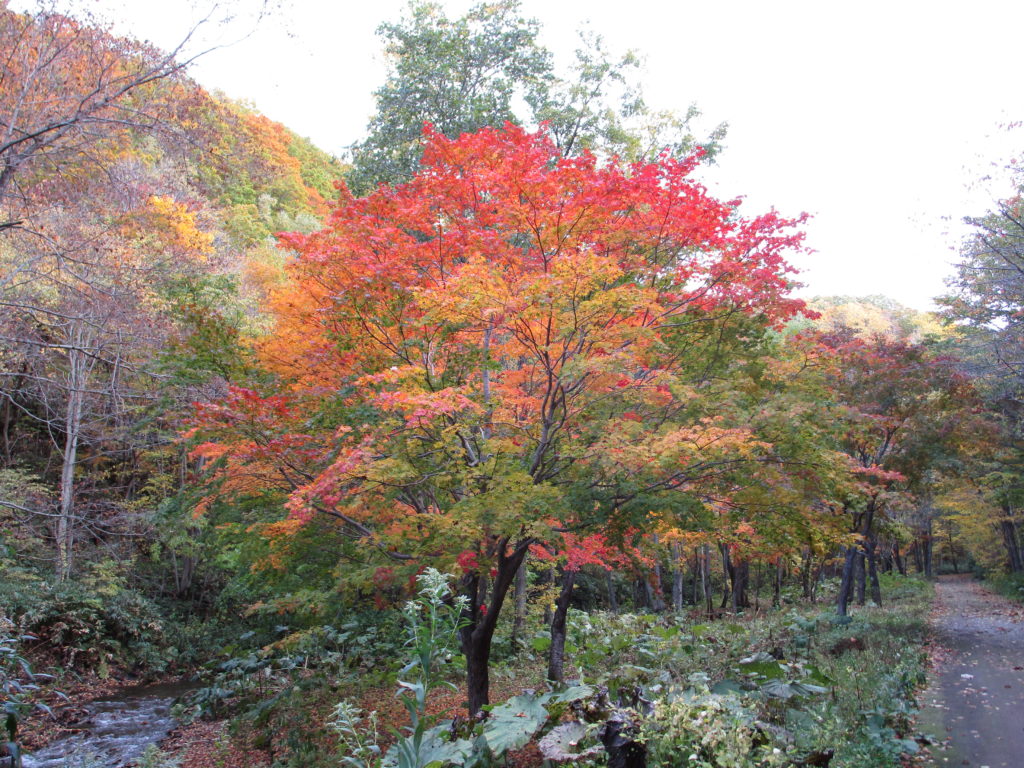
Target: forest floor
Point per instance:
(974, 706)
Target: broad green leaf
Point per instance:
(513, 723)
(563, 743)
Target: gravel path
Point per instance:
(974, 706)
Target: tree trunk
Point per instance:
(652, 590)
(816, 580)
(77, 372)
(952, 551)
(860, 576)
(758, 580)
(698, 578)
(519, 619)
(901, 565)
(726, 568)
(8, 419)
(1011, 540)
(613, 598)
(806, 564)
(547, 578)
(740, 573)
(876, 587)
(927, 551)
(705, 575)
(777, 585)
(478, 632)
(846, 583)
(677, 578)
(556, 654)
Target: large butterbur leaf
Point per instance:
(513, 723)
(562, 745)
(763, 665)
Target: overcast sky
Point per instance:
(875, 117)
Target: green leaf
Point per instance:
(779, 689)
(725, 687)
(513, 723)
(562, 744)
(815, 674)
(909, 746)
(433, 750)
(763, 665)
(570, 694)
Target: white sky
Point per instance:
(875, 117)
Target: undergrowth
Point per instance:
(797, 686)
(1009, 585)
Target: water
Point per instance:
(116, 731)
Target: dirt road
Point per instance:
(975, 704)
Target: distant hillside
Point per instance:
(875, 315)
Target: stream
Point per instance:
(115, 731)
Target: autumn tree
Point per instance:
(987, 293)
(66, 86)
(80, 324)
(985, 305)
(902, 411)
(505, 347)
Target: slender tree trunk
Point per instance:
(952, 551)
(78, 366)
(816, 580)
(478, 632)
(901, 565)
(705, 573)
(777, 584)
(860, 576)
(677, 578)
(641, 593)
(8, 419)
(758, 579)
(726, 581)
(698, 578)
(519, 619)
(657, 596)
(548, 578)
(846, 583)
(806, 565)
(613, 598)
(876, 587)
(556, 654)
(927, 551)
(918, 559)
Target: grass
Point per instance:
(1008, 585)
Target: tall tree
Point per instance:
(457, 75)
(486, 68)
(987, 292)
(902, 411)
(505, 346)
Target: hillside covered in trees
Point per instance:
(506, 410)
